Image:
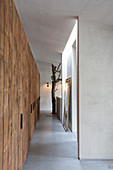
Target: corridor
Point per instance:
(53, 149)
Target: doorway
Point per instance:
(70, 68)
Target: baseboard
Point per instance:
(45, 111)
(87, 159)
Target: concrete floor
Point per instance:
(54, 149)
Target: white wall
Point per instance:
(45, 92)
(96, 90)
(69, 60)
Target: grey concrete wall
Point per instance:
(96, 90)
(45, 92)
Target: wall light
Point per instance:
(47, 84)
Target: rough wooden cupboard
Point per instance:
(19, 90)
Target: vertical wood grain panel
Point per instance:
(19, 88)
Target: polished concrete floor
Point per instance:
(54, 149)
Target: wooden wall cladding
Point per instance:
(19, 88)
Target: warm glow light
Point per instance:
(65, 88)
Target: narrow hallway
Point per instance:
(53, 149)
(50, 145)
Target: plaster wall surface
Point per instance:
(45, 92)
(96, 90)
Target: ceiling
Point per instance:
(48, 23)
